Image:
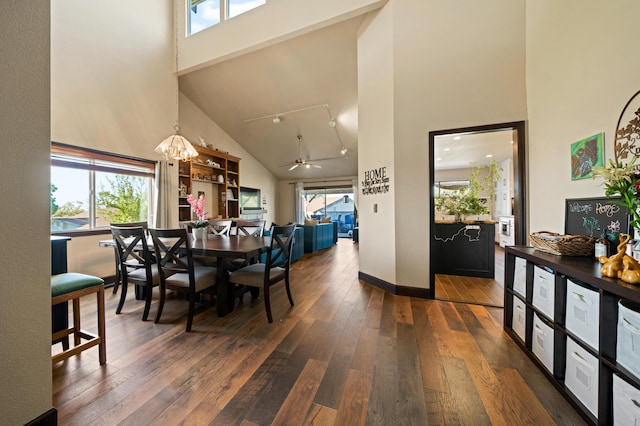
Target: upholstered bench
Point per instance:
(72, 286)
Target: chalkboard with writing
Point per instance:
(596, 217)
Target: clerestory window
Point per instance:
(207, 13)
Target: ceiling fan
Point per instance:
(306, 163)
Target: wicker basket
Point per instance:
(564, 245)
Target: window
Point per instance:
(207, 13)
(91, 189)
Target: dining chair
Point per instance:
(247, 228)
(135, 263)
(216, 227)
(118, 278)
(250, 228)
(275, 269)
(177, 270)
(220, 227)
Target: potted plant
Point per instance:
(465, 201)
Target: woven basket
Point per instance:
(563, 245)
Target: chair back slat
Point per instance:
(281, 243)
(132, 248)
(250, 228)
(220, 227)
(172, 250)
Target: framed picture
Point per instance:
(585, 155)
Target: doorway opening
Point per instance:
(451, 154)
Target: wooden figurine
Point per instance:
(621, 265)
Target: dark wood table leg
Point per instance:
(224, 297)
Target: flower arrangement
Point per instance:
(623, 180)
(197, 206)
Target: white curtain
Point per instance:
(299, 200)
(161, 208)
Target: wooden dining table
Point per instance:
(224, 248)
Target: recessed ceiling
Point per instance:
(457, 151)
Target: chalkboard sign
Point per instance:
(596, 217)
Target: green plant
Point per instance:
(466, 201)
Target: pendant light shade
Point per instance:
(176, 147)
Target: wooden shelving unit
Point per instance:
(211, 167)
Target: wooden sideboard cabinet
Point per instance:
(221, 171)
(580, 328)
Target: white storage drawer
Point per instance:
(626, 403)
(628, 341)
(544, 291)
(519, 317)
(581, 375)
(583, 313)
(520, 277)
(542, 337)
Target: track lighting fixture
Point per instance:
(276, 119)
(343, 151)
(332, 122)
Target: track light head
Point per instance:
(332, 122)
(276, 119)
(343, 151)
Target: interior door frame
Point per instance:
(519, 184)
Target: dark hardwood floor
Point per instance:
(345, 354)
(481, 291)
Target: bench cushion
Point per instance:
(72, 281)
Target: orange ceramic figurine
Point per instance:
(621, 265)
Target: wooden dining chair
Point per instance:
(118, 279)
(274, 270)
(220, 227)
(177, 270)
(247, 228)
(216, 227)
(136, 264)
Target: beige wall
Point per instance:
(582, 68)
(376, 126)
(252, 173)
(451, 65)
(113, 88)
(25, 305)
(268, 24)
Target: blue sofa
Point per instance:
(320, 236)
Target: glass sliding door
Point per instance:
(335, 203)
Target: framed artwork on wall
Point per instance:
(585, 155)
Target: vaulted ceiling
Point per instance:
(306, 80)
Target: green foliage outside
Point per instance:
(54, 206)
(465, 201)
(126, 200)
(70, 208)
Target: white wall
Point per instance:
(252, 173)
(582, 68)
(376, 119)
(452, 65)
(25, 305)
(113, 88)
(270, 23)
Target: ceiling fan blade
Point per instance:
(342, 157)
(317, 166)
(294, 166)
